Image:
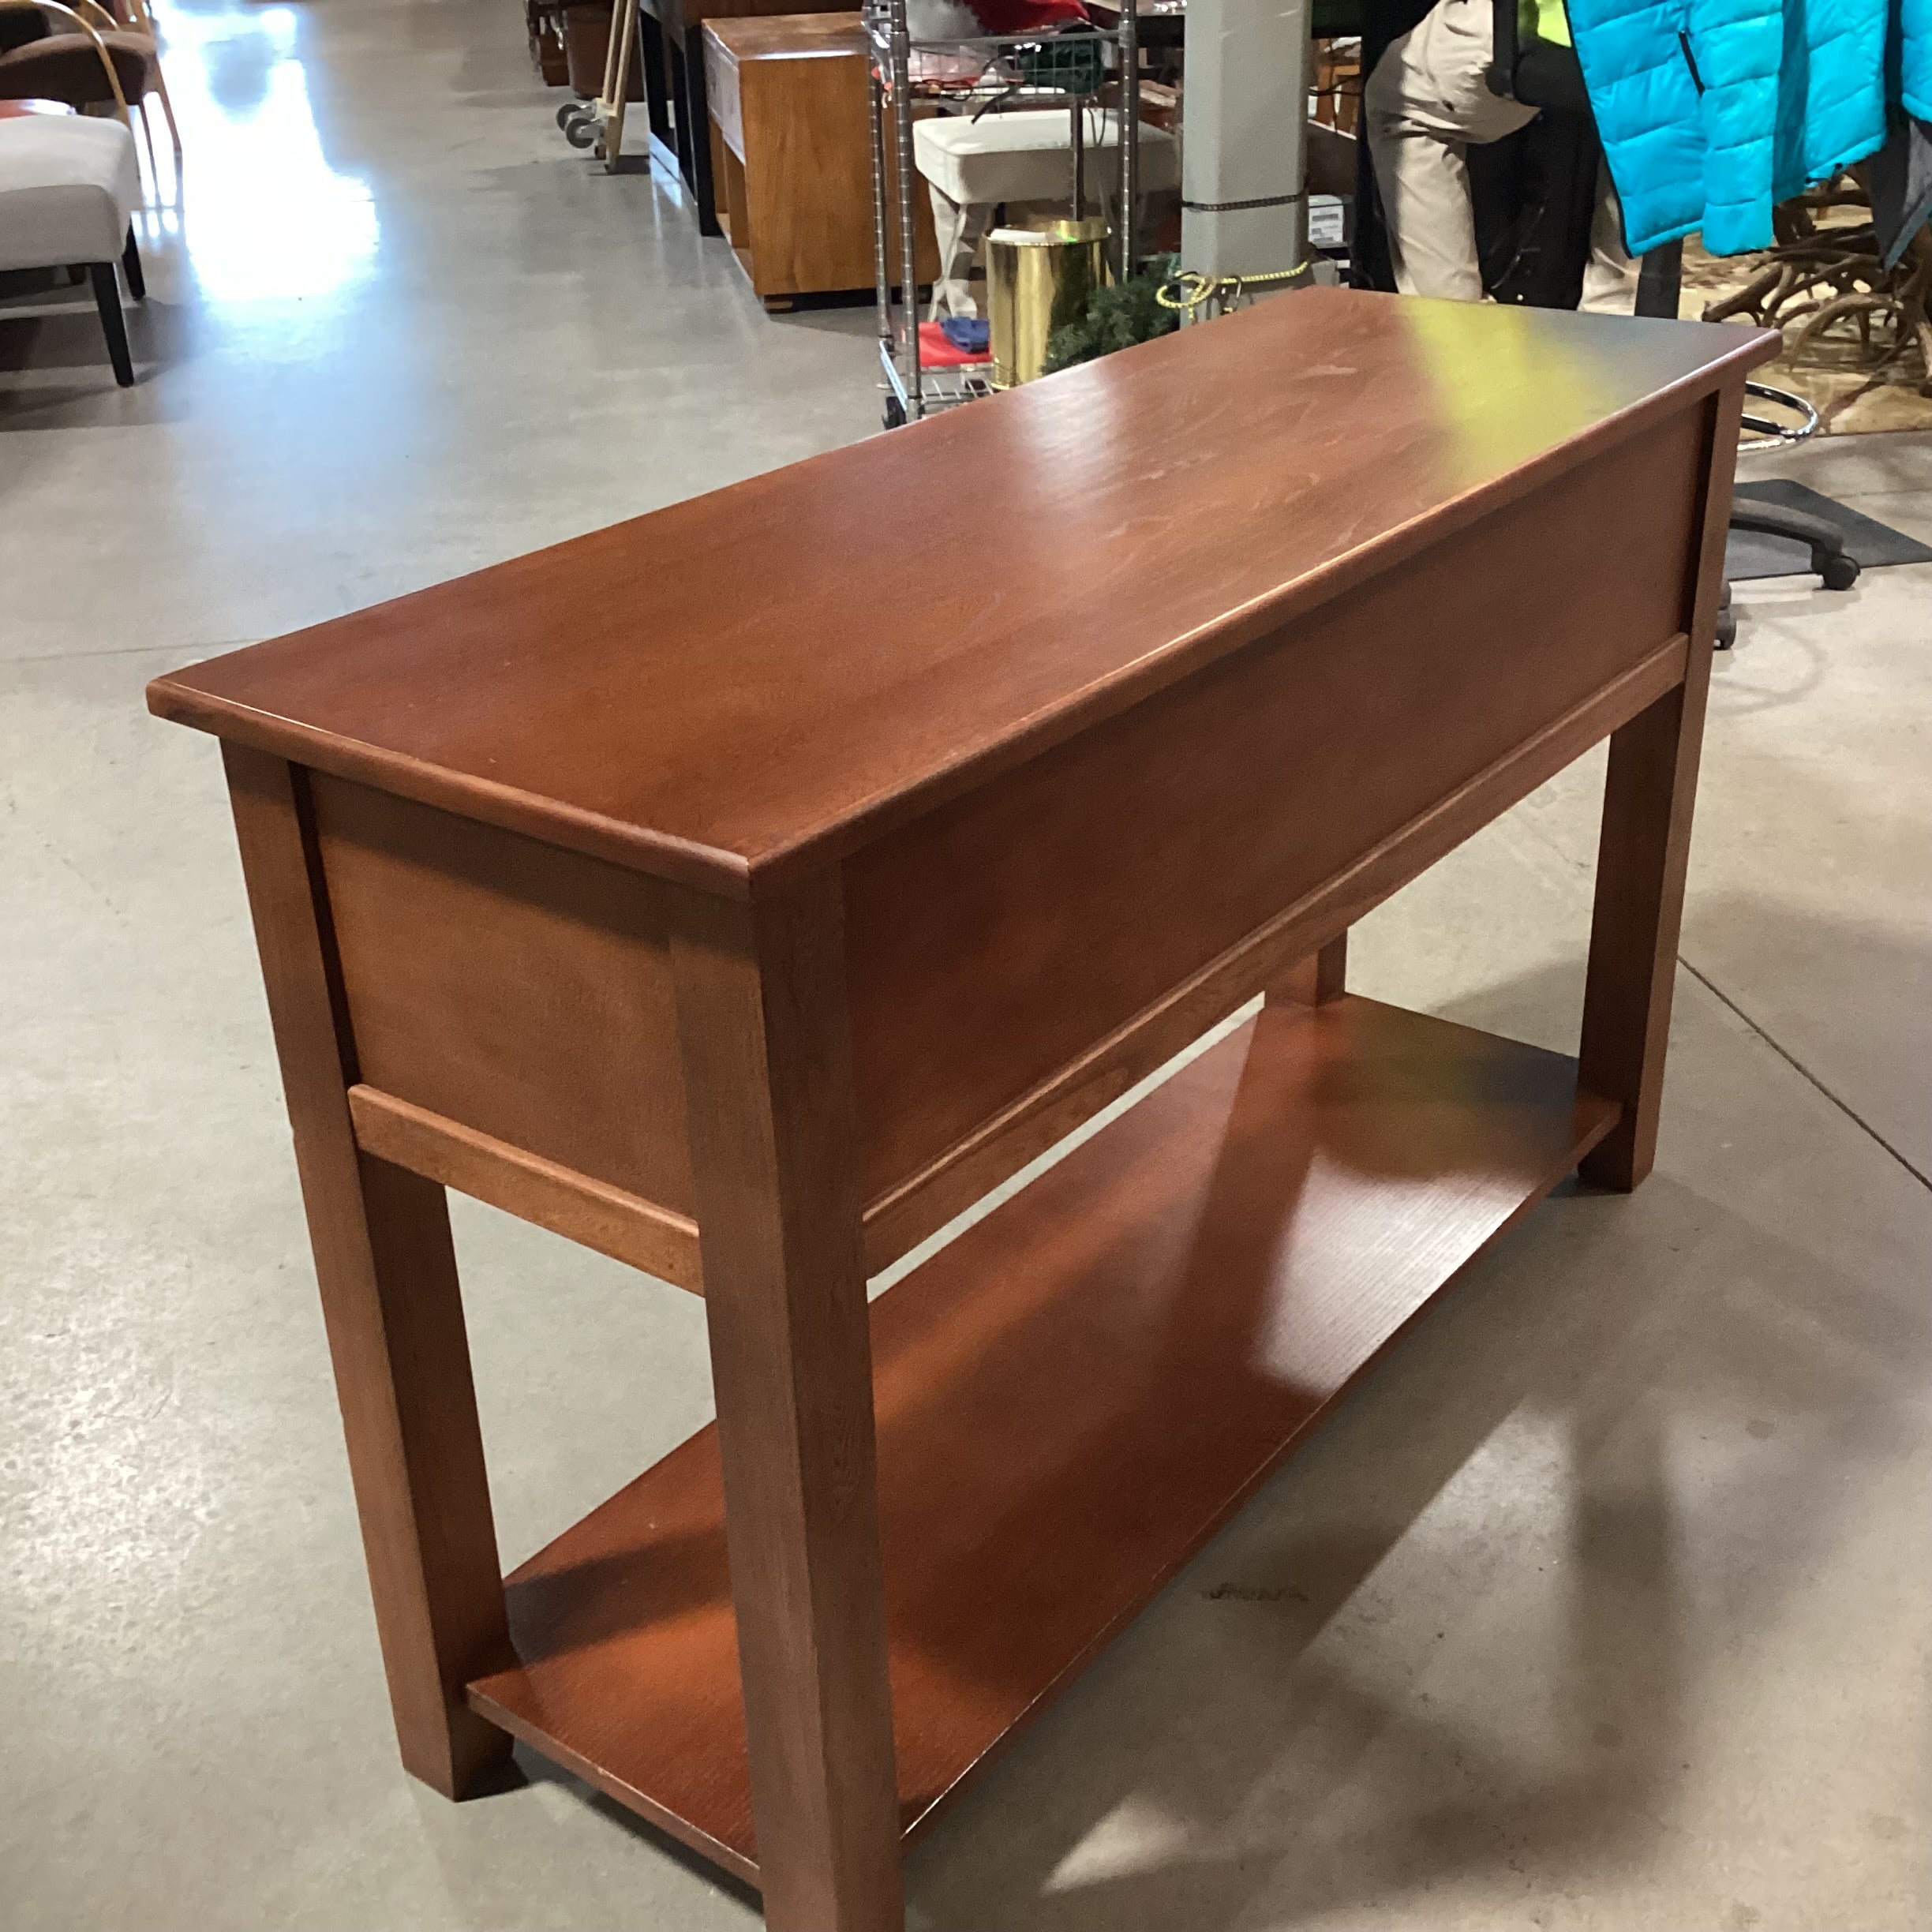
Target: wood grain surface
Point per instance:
(1070, 1398)
(785, 668)
(521, 991)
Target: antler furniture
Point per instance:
(752, 933)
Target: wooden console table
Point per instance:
(753, 932)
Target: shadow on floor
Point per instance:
(1277, 1760)
(530, 1768)
(55, 371)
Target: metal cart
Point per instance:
(1077, 70)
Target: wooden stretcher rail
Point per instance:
(591, 1212)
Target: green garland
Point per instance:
(1117, 317)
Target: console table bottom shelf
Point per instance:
(1071, 1398)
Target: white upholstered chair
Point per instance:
(68, 189)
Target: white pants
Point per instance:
(1425, 104)
(959, 228)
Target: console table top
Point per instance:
(777, 671)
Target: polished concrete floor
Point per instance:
(1604, 1605)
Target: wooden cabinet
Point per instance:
(792, 154)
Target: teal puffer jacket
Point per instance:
(1713, 110)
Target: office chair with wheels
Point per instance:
(1542, 74)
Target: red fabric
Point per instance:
(936, 352)
(1016, 16)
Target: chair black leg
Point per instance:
(1829, 557)
(107, 299)
(703, 191)
(131, 268)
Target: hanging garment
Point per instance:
(1901, 188)
(1713, 111)
(1915, 45)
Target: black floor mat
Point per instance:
(1747, 554)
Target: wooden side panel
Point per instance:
(993, 941)
(808, 173)
(791, 156)
(517, 989)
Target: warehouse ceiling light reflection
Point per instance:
(265, 216)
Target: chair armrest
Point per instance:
(88, 28)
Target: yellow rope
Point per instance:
(1192, 290)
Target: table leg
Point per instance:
(1642, 855)
(656, 96)
(696, 150)
(1314, 981)
(394, 1314)
(762, 1019)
